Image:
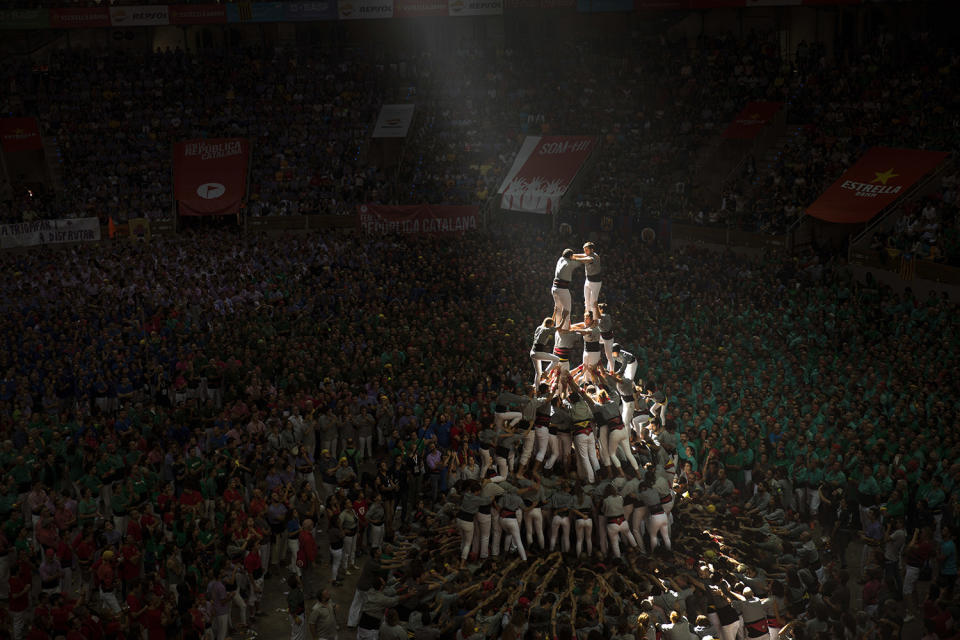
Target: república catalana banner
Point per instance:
(418, 219)
(210, 176)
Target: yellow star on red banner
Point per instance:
(883, 177)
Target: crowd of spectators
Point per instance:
(927, 228)
(845, 108)
(174, 434)
(655, 103)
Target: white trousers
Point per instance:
(543, 443)
(539, 357)
(620, 438)
(658, 525)
(604, 438)
(265, 554)
(591, 293)
(376, 535)
(221, 623)
(529, 438)
(608, 352)
(617, 529)
(559, 446)
(349, 550)
(626, 414)
(356, 606)
(638, 523)
(485, 461)
(590, 358)
(466, 529)
(506, 417)
(630, 370)
(587, 463)
(293, 546)
(533, 522)
(241, 605)
(504, 464)
(584, 527)
(562, 302)
(336, 558)
(560, 522)
(512, 528)
(482, 535)
(109, 600)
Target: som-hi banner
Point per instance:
(418, 219)
(750, 122)
(210, 176)
(879, 177)
(542, 172)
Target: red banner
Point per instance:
(418, 219)
(542, 172)
(750, 122)
(198, 14)
(20, 134)
(210, 176)
(877, 179)
(79, 18)
(420, 8)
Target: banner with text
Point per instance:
(880, 176)
(198, 14)
(750, 122)
(420, 8)
(394, 121)
(210, 176)
(542, 172)
(38, 232)
(476, 7)
(79, 17)
(24, 19)
(143, 16)
(20, 134)
(418, 219)
(311, 10)
(364, 9)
